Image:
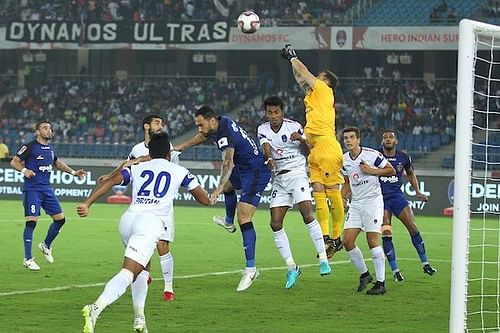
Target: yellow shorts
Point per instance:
(325, 160)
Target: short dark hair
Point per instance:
(37, 126)
(352, 129)
(390, 130)
(206, 112)
(159, 145)
(149, 118)
(333, 80)
(274, 101)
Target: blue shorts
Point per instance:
(34, 200)
(251, 183)
(395, 204)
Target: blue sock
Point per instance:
(418, 242)
(28, 238)
(230, 201)
(249, 239)
(390, 252)
(53, 231)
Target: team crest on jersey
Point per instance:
(22, 150)
(399, 167)
(222, 142)
(302, 189)
(284, 138)
(375, 221)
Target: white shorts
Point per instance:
(168, 233)
(290, 188)
(140, 232)
(365, 216)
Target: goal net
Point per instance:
(475, 281)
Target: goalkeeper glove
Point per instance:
(288, 52)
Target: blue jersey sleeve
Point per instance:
(126, 176)
(25, 151)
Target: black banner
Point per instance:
(157, 32)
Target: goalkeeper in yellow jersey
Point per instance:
(325, 159)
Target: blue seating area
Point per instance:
(417, 13)
(79, 150)
(482, 154)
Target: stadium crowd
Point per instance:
(281, 12)
(110, 111)
(109, 10)
(411, 107)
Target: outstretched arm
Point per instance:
(302, 75)
(101, 189)
(195, 140)
(200, 195)
(304, 78)
(227, 169)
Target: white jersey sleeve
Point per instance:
(138, 150)
(364, 187)
(287, 153)
(155, 185)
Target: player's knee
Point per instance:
(386, 231)
(60, 222)
(276, 225)
(162, 247)
(31, 224)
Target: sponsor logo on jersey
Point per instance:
(22, 150)
(391, 179)
(222, 142)
(44, 147)
(45, 168)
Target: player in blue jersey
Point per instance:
(396, 204)
(243, 169)
(35, 161)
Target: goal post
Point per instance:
(475, 276)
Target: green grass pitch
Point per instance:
(207, 262)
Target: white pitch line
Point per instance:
(191, 276)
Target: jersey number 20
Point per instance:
(161, 180)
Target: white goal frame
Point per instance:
(467, 49)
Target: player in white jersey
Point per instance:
(151, 124)
(284, 145)
(361, 168)
(155, 185)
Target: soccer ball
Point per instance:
(248, 22)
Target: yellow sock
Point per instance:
(337, 211)
(322, 212)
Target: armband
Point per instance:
(73, 172)
(23, 170)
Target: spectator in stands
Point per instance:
(4, 150)
(452, 16)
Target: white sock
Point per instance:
(283, 245)
(167, 268)
(357, 260)
(114, 289)
(379, 262)
(139, 292)
(317, 238)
